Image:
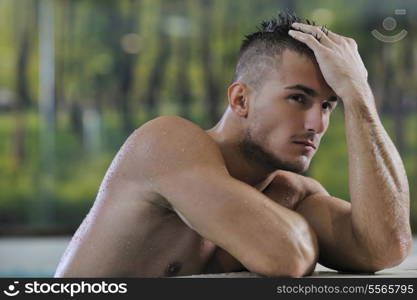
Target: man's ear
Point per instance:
(237, 94)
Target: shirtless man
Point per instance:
(178, 200)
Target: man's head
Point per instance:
(280, 98)
(260, 52)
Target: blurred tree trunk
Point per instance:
(121, 21)
(183, 83)
(151, 95)
(72, 68)
(24, 24)
(125, 62)
(23, 49)
(61, 51)
(212, 89)
(43, 212)
(76, 119)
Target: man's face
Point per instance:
(288, 115)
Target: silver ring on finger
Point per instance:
(325, 30)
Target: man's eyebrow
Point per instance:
(309, 91)
(305, 89)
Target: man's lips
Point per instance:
(306, 143)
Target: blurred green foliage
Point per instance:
(120, 63)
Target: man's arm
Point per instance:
(184, 165)
(376, 225)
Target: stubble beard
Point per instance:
(259, 157)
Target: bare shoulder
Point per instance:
(167, 144)
(173, 130)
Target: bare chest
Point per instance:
(173, 249)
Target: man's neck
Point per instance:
(228, 137)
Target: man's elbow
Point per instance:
(296, 260)
(293, 269)
(392, 255)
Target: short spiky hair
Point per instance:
(260, 51)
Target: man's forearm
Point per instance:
(378, 182)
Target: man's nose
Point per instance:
(315, 120)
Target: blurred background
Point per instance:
(77, 77)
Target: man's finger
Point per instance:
(323, 35)
(333, 36)
(307, 39)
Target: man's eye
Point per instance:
(298, 98)
(326, 105)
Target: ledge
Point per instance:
(407, 269)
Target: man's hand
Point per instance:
(281, 188)
(288, 188)
(337, 56)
